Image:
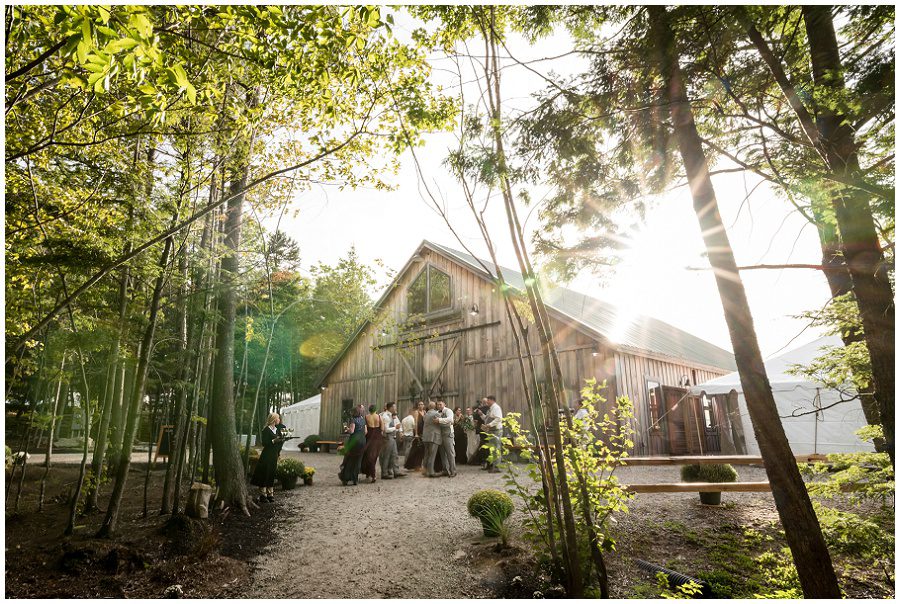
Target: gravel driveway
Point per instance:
(375, 540)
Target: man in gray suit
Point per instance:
(431, 438)
(448, 446)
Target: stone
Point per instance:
(173, 591)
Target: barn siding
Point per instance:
(485, 360)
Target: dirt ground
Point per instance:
(148, 555)
(407, 538)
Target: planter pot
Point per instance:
(711, 498)
(289, 483)
(308, 481)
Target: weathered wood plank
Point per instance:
(702, 487)
(711, 459)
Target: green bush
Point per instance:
(850, 534)
(310, 442)
(489, 503)
(254, 453)
(288, 467)
(715, 472)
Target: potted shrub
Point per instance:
(714, 472)
(492, 507)
(308, 474)
(309, 443)
(288, 472)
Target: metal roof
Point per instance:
(623, 330)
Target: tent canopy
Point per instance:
(816, 419)
(777, 369)
(303, 419)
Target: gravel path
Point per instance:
(374, 540)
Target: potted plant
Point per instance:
(714, 472)
(288, 472)
(309, 443)
(308, 474)
(492, 507)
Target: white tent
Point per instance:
(829, 430)
(303, 418)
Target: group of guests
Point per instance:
(431, 437)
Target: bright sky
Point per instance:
(652, 280)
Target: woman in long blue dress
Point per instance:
(353, 449)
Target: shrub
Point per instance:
(288, 467)
(850, 534)
(310, 442)
(254, 453)
(492, 507)
(715, 472)
(490, 501)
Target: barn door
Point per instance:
(430, 369)
(675, 403)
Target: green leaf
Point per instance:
(119, 45)
(104, 14)
(180, 76)
(82, 51)
(86, 31)
(142, 24)
(191, 93)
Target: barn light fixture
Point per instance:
(384, 333)
(595, 354)
(322, 388)
(474, 310)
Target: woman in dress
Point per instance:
(264, 474)
(416, 454)
(374, 443)
(461, 439)
(353, 448)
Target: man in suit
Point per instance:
(390, 468)
(448, 445)
(431, 438)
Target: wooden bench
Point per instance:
(326, 444)
(707, 487)
(701, 487)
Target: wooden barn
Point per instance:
(441, 328)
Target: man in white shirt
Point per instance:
(494, 425)
(408, 425)
(448, 447)
(390, 468)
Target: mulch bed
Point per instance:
(207, 559)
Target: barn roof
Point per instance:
(640, 333)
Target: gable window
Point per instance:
(429, 292)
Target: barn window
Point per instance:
(429, 292)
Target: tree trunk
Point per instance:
(859, 237)
(108, 527)
(47, 463)
(232, 487)
(798, 518)
(837, 273)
